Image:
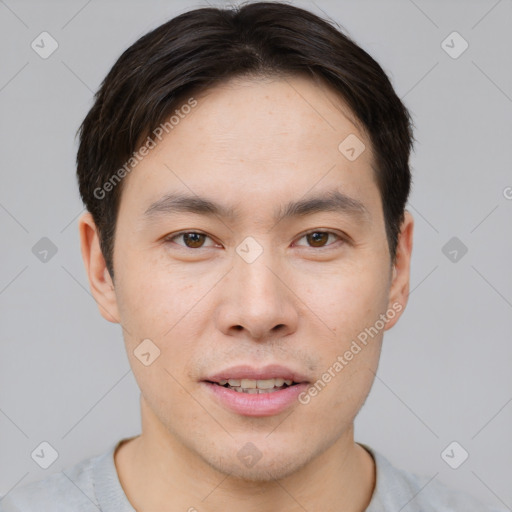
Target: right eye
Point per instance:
(192, 239)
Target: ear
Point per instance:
(399, 290)
(100, 282)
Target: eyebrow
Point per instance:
(332, 201)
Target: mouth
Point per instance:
(248, 391)
(253, 386)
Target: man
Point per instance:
(245, 174)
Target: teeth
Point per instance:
(253, 386)
(264, 384)
(255, 391)
(249, 384)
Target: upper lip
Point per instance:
(272, 371)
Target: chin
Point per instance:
(264, 467)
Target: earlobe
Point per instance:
(100, 281)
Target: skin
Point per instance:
(251, 145)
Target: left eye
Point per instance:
(319, 238)
(196, 240)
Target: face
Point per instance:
(285, 276)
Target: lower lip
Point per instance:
(257, 404)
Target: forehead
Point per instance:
(281, 118)
(257, 140)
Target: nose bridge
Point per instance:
(258, 280)
(259, 300)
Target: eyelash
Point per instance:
(170, 238)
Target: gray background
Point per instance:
(445, 369)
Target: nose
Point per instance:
(257, 302)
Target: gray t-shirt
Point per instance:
(93, 485)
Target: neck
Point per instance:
(157, 472)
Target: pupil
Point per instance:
(193, 239)
(318, 237)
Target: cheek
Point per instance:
(349, 362)
(166, 308)
(346, 391)
(347, 299)
(350, 302)
(165, 311)
(155, 300)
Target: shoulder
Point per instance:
(396, 489)
(72, 489)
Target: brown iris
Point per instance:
(193, 240)
(317, 239)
